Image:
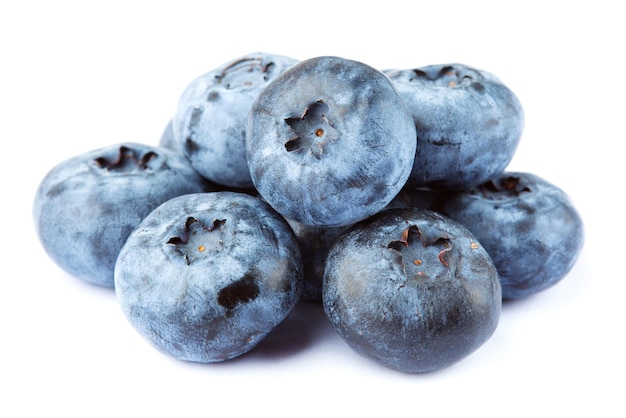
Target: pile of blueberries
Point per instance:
(382, 195)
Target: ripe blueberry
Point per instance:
(329, 142)
(86, 206)
(468, 124)
(210, 119)
(412, 290)
(529, 226)
(314, 242)
(206, 276)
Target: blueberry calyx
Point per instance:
(449, 76)
(510, 186)
(408, 237)
(313, 130)
(411, 289)
(126, 160)
(194, 240)
(404, 240)
(255, 66)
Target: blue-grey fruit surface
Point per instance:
(209, 122)
(315, 242)
(412, 290)
(86, 206)
(206, 276)
(530, 227)
(469, 124)
(329, 142)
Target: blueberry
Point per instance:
(86, 206)
(410, 197)
(205, 277)
(329, 142)
(209, 122)
(468, 124)
(315, 243)
(529, 226)
(412, 290)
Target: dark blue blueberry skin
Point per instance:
(315, 243)
(412, 290)
(209, 122)
(205, 277)
(530, 228)
(329, 142)
(414, 198)
(468, 124)
(86, 206)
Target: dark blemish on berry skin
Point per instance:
(56, 190)
(196, 115)
(242, 291)
(191, 146)
(443, 142)
(478, 86)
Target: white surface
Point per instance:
(76, 76)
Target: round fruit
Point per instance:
(209, 123)
(530, 227)
(205, 277)
(412, 290)
(86, 206)
(329, 142)
(468, 124)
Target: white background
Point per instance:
(76, 76)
